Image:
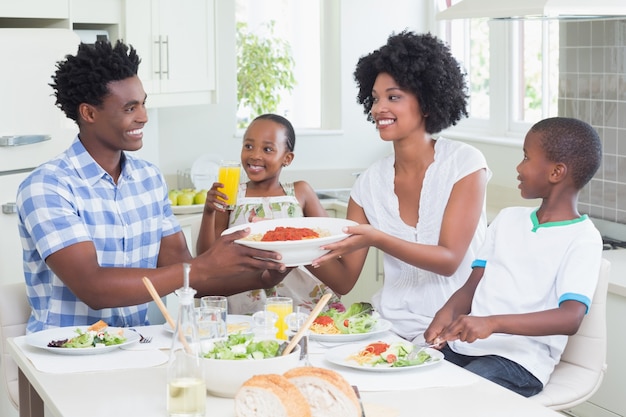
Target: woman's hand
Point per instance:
(361, 236)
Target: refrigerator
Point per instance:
(32, 130)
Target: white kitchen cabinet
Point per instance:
(35, 9)
(176, 43)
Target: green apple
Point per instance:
(200, 197)
(185, 199)
(173, 197)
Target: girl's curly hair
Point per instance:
(84, 77)
(422, 65)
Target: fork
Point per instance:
(142, 339)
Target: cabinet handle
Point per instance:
(158, 47)
(166, 42)
(9, 208)
(19, 140)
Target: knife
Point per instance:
(358, 395)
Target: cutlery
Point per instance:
(305, 327)
(142, 339)
(422, 347)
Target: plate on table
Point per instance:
(41, 339)
(295, 252)
(381, 326)
(189, 209)
(234, 322)
(340, 356)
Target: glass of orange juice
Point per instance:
(282, 306)
(228, 175)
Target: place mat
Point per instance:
(45, 361)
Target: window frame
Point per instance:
(506, 85)
(330, 113)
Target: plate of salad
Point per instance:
(358, 322)
(82, 340)
(383, 356)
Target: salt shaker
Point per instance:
(186, 388)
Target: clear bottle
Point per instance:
(186, 388)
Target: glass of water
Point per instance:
(221, 303)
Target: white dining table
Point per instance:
(134, 384)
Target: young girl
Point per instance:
(268, 146)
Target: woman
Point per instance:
(423, 206)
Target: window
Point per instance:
(302, 25)
(512, 68)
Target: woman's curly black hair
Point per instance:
(84, 77)
(422, 65)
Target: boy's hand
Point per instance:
(437, 326)
(468, 329)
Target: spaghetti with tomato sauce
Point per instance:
(288, 233)
(369, 354)
(282, 233)
(324, 325)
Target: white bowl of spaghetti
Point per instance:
(297, 239)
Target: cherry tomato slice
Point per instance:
(391, 358)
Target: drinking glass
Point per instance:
(210, 323)
(294, 322)
(282, 306)
(228, 175)
(221, 303)
(264, 325)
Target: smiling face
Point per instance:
(535, 169)
(118, 123)
(397, 112)
(264, 151)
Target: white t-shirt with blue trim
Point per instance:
(532, 267)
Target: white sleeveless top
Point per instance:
(411, 296)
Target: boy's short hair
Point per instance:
(84, 77)
(572, 142)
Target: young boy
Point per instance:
(534, 278)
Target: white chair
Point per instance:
(14, 313)
(583, 364)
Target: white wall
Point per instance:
(186, 132)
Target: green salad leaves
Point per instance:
(242, 346)
(358, 318)
(88, 339)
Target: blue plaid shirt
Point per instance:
(71, 199)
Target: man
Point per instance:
(95, 220)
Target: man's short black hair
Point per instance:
(83, 78)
